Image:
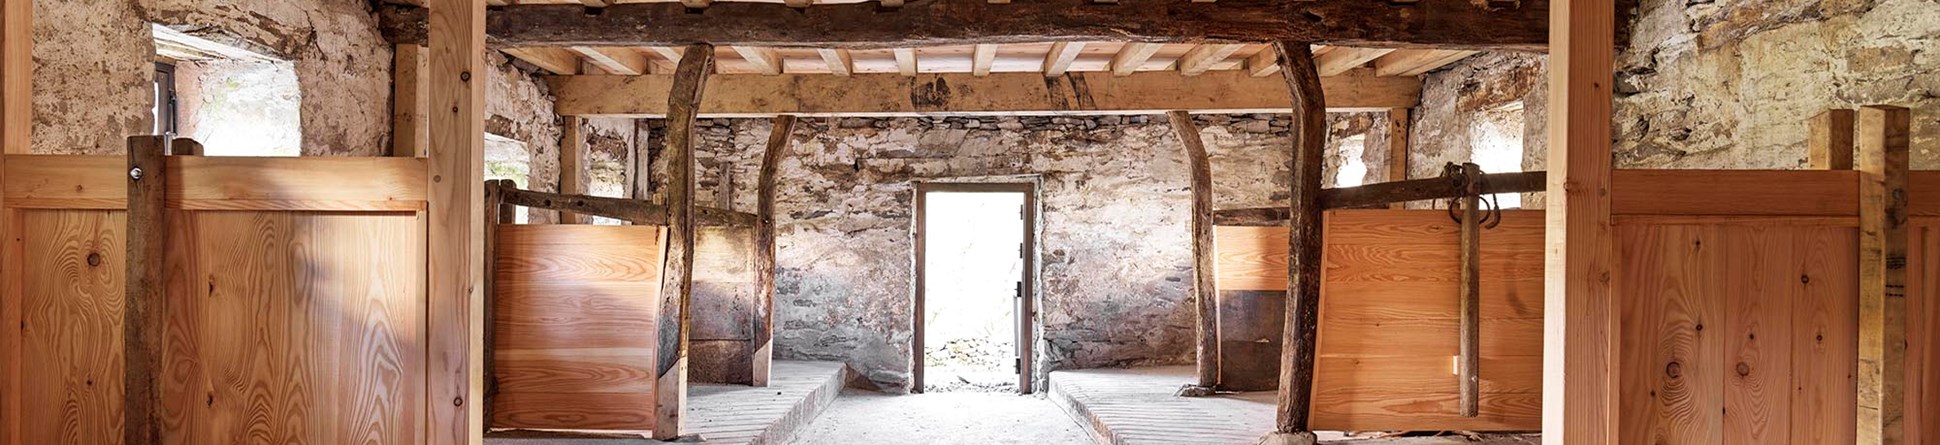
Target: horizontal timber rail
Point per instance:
(1389, 192)
(630, 210)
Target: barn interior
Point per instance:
(969, 221)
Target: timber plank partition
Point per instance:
(295, 299)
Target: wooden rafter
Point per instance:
(1202, 58)
(1059, 59)
(1414, 62)
(906, 61)
(981, 58)
(764, 60)
(1266, 63)
(556, 60)
(614, 60)
(839, 61)
(1342, 59)
(1133, 56)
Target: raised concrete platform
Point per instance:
(742, 415)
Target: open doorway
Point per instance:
(973, 291)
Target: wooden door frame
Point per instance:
(1026, 329)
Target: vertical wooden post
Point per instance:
(16, 76)
(1471, 291)
(145, 295)
(410, 101)
(1303, 261)
(495, 213)
(1882, 163)
(764, 248)
(676, 290)
(455, 265)
(572, 165)
(1830, 145)
(1580, 316)
(1397, 148)
(1205, 293)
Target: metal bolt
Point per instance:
(134, 173)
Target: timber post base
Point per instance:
(1300, 438)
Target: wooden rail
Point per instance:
(630, 210)
(1388, 192)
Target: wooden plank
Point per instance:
(631, 210)
(572, 165)
(1202, 57)
(1672, 357)
(613, 60)
(1829, 143)
(1582, 327)
(1825, 345)
(906, 63)
(1295, 397)
(1262, 64)
(1923, 333)
(69, 316)
(1734, 192)
(556, 60)
(1761, 276)
(1204, 290)
(1398, 147)
(16, 76)
(764, 60)
(1006, 94)
(1415, 62)
(1881, 159)
(1438, 23)
(676, 295)
(455, 244)
(764, 247)
(1132, 57)
(142, 309)
(16, 126)
(1059, 59)
(981, 57)
(410, 101)
(1342, 59)
(224, 183)
(1389, 192)
(840, 62)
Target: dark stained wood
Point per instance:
(1436, 23)
(1250, 341)
(764, 248)
(630, 210)
(143, 312)
(495, 214)
(676, 294)
(1204, 292)
(1304, 242)
(1881, 158)
(1470, 292)
(1388, 192)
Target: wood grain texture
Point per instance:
(1205, 292)
(1923, 332)
(455, 195)
(764, 247)
(574, 310)
(70, 332)
(1580, 405)
(1825, 344)
(144, 302)
(1881, 158)
(676, 291)
(1671, 347)
(1304, 245)
(1734, 192)
(223, 183)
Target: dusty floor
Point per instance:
(863, 417)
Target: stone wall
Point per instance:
(1114, 257)
(1455, 101)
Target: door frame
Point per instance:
(1026, 330)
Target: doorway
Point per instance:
(975, 247)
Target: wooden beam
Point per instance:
(1059, 59)
(1469, 290)
(1432, 23)
(454, 320)
(1882, 161)
(677, 283)
(668, 58)
(798, 4)
(1265, 63)
(1342, 59)
(981, 57)
(1831, 142)
(765, 60)
(16, 76)
(839, 61)
(1414, 62)
(1205, 294)
(1581, 317)
(1132, 56)
(556, 60)
(1003, 94)
(1202, 57)
(572, 165)
(764, 248)
(143, 314)
(629, 210)
(596, 3)
(1297, 352)
(411, 101)
(1384, 193)
(1398, 148)
(906, 63)
(614, 60)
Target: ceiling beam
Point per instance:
(1265, 63)
(1202, 58)
(839, 60)
(1414, 62)
(1132, 56)
(614, 60)
(556, 60)
(1423, 23)
(1342, 59)
(1088, 93)
(764, 60)
(1059, 59)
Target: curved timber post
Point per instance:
(1303, 259)
(677, 277)
(764, 249)
(1203, 289)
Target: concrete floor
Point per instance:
(862, 417)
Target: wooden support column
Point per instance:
(496, 212)
(1397, 148)
(455, 323)
(16, 76)
(1580, 316)
(677, 283)
(764, 248)
(572, 165)
(1304, 244)
(1881, 159)
(410, 101)
(1470, 291)
(1830, 145)
(1205, 293)
(143, 315)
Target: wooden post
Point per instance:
(410, 101)
(1205, 293)
(16, 77)
(496, 212)
(454, 316)
(1830, 145)
(676, 290)
(1304, 244)
(143, 312)
(1580, 316)
(572, 165)
(1397, 148)
(764, 248)
(1882, 163)
(1471, 291)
